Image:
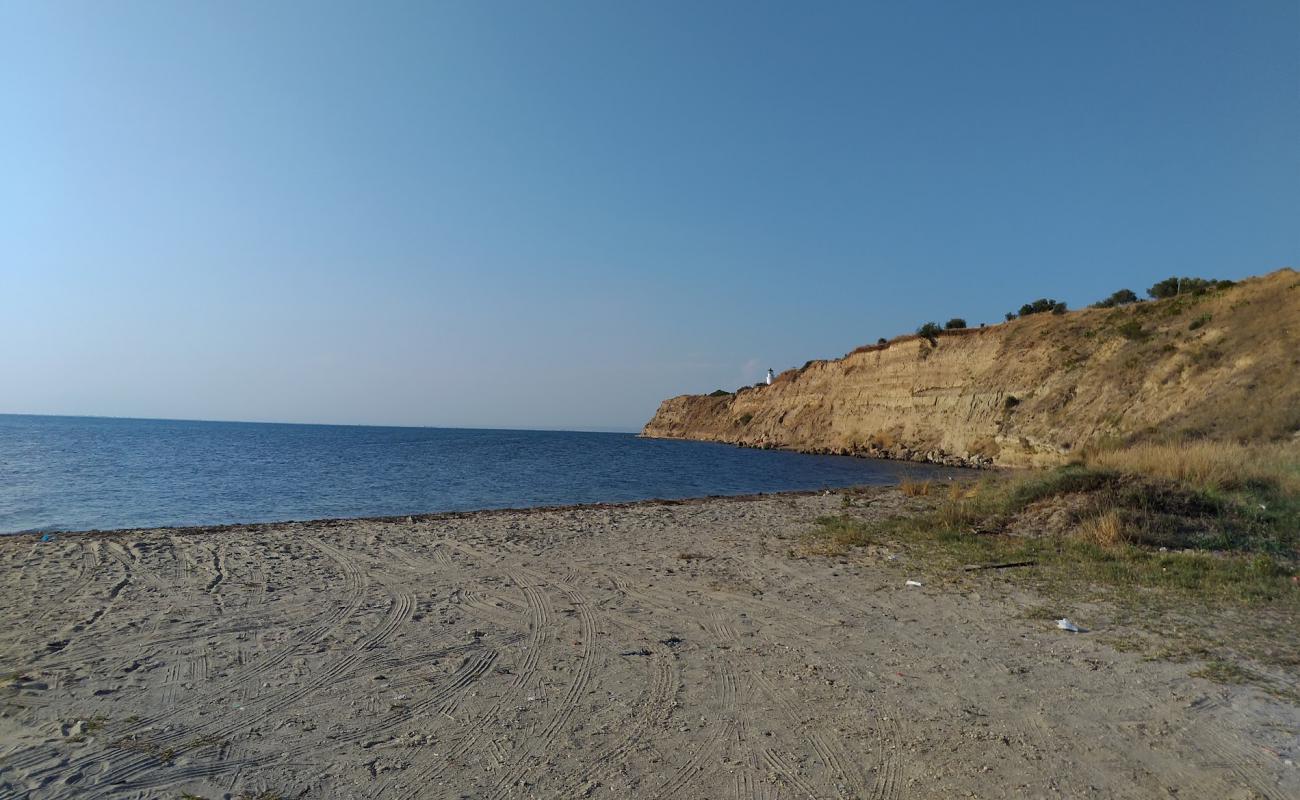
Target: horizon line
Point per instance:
(320, 424)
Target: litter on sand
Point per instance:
(913, 583)
(1066, 625)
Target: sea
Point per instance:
(84, 473)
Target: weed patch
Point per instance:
(834, 535)
(1206, 541)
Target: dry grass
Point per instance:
(1104, 530)
(1221, 466)
(915, 488)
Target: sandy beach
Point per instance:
(650, 650)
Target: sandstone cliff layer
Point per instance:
(1225, 364)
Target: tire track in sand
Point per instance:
(86, 567)
(354, 585)
(541, 624)
(263, 708)
(655, 708)
(135, 566)
(470, 670)
(701, 759)
(828, 748)
(567, 705)
(779, 765)
(831, 752)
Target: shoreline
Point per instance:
(435, 516)
(199, 483)
(200, 528)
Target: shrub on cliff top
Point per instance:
(955, 324)
(929, 330)
(1174, 286)
(1121, 298)
(1042, 305)
(719, 393)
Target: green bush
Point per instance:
(1043, 305)
(1133, 330)
(929, 330)
(1166, 288)
(1121, 298)
(1174, 286)
(719, 393)
(1199, 322)
(955, 324)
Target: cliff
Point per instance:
(1224, 365)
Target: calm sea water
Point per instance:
(80, 473)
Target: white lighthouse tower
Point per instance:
(769, 376)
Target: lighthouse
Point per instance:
(769, 376)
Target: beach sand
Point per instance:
(649, 650)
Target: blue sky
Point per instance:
(555, 214)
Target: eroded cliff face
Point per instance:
(1032, 391)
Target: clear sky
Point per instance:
(525, 214)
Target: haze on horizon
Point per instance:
(553, 216)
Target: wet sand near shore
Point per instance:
(648, 650)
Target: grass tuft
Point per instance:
(1207, 465)
(1104, 530)
(913, 488)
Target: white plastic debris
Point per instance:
(1066, 625)
(913, 583)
